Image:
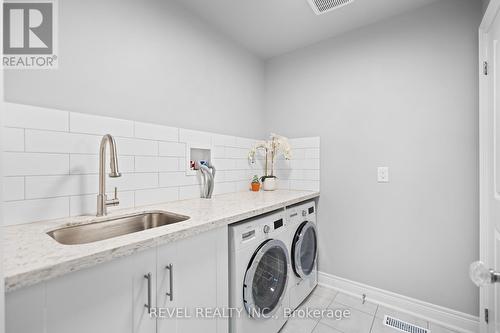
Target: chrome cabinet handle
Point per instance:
(170, 268)
(148, 304)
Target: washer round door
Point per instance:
(266, 279)
(304, 249)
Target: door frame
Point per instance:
(484, 146)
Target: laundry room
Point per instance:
(292, 166)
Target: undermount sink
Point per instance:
(114, 227)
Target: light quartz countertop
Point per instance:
(31, 256)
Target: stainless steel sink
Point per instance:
(114, 227)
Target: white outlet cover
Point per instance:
(383, 174)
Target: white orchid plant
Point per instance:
(272, 148)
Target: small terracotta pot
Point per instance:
(256, 187)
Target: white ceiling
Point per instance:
(272, 27)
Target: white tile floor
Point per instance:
(364, 318)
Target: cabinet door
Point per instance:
(107, 298)
(24, 310)
(199, 271)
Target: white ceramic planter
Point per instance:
(269, 184)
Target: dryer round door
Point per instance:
(266, 279)
(304, 249)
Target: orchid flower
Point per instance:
(273, 147)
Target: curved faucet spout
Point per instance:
(113, 161)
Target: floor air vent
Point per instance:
(403, 326)
(323, 6)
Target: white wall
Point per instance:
(150, 61)
(402, 93)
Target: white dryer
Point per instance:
(303, 244)
(259, 268)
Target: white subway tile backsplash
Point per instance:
(16, 212)
(133, 181)
(38, 187)
(245, 142)
(174, 149)
(13, 139)
(220, 176)
(27, 164)
(242, 164)
(61, 142)
(236, 175)
(284, 184)
(189, 192)
(311, 175)
(287, 164)
(218, 152)
(146, 164)
(13, 188)
(224, 163)
(156, 195)
(312, 153)
(138, 147)
(87, 204)
(51, 163)
(167, 164)
(170, 179)
(83, 205)
(27, 116)
(236, 152)
(299, 154)
(222, 188)
(191, 136)
(156, 132)
(90, 124)
(81, 164)
(311, 164)
(293, 174)
(243, 186)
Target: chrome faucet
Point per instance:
(102, 199)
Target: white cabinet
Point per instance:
(193, 277)
(24, 310)
(111, 297)
(107, 298)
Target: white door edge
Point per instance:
(484, 143)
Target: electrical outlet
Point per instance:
(383, 174)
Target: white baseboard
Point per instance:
(452, 319)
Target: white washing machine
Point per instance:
(303, 244)
(259, 268)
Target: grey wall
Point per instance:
(146, 60)
(485, 4)
(402, 93)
